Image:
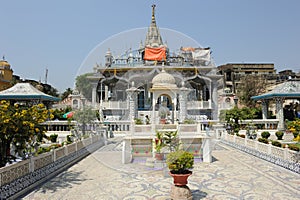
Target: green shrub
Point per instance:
(265, 134)
(54, 146)
(43, 150)
(279, 135)
(47, 149)
(69, 139)
(53, 137)
(138, 121)
(179, 162)
(189, 121)
(263, 140)
(276, 143)
(294, 147)
(295, 134)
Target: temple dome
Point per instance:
(4, 63)
(163, 78)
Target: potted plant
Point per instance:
(265, 134)
(279, 135)
(53, 137)
(171, 140)
(138, 121)
(180, 163)
(159, 144)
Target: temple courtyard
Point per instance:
(232, 175)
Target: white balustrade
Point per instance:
(279, 152)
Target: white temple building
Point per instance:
(190, 73)
(165, 89)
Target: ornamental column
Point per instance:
(153, 117)
(264, 104)
(132, 102)
(279, 113)
(94, 94)
(183, 103)
(214, 99)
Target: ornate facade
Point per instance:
(191, 70)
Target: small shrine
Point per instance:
(289, 90)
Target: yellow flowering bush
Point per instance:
(21, 126)
(294, 127)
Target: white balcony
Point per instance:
(199, 105)
(115, 105)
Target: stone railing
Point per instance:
(283, 157)
(114, 104)
(117, 127)
(18, 178)
(198, 104)
(262, 123)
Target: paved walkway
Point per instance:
(232, 175)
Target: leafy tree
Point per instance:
(50, 90)
(20, 126)
(250, 85)
(84, 117)
(84, 85)
(66, 93)
(234, 115)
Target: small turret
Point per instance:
(108, 58)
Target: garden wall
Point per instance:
(18, 178)
(283, 157)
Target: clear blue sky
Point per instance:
(59, 34)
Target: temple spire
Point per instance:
(153, 38)
(153, 12)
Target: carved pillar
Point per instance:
(264, 104)
(94, 93)
(214, 99)
(153, 117)
(279, 113)
(183, 103)
(105, 93)
(132, 102)
(174, 109)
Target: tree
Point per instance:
(85, 116)
(66, 93)
(20, 126)
(234, 115)
(84, 85)
(250, 85)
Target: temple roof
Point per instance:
(289, 89)
(25, 91)
(163, 80)
(153, 37)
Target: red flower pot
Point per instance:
(180, 179)
(159, 156)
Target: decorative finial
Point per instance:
(3, 57)
(153, 12)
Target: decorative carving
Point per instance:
(292, 166)
(12, 189)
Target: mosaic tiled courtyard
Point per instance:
(231, 175)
